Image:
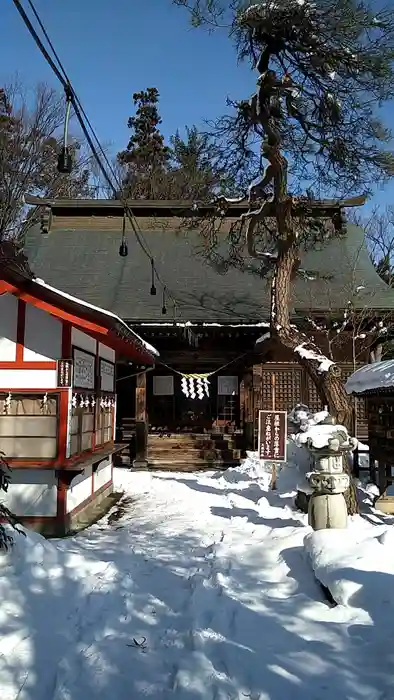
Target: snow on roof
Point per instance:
(379, 375)
(148, 347)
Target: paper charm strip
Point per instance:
(195, 385)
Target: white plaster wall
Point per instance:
(103, 474)
(107, 353)
(43, 336)
(8, 323)
(13, 379)
(83, 341)
(32, 492)
(79, 490)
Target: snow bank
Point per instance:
(379, 375)
(356, 565)
(29, 549)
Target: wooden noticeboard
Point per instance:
(272, 435)
(64, 374)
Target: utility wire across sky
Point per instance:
(116, 189)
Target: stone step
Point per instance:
(194, 441)
(184, 466)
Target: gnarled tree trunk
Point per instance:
(263, 110)
(325, 374)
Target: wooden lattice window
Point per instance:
(313, 401)
(105, 418)
(29, 425)
(288, 387)
(81, 429)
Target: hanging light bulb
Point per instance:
(164, 308)
(123, 248)
(153, 288)
(64, 161)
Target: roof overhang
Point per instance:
(324, 208)
(98, 323)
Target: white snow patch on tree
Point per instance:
(307, 354)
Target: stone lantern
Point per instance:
(328, 480)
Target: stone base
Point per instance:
(93, 511)
(327, 512)
(89, 514)
(385, 504)
(140, 463)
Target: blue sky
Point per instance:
(112, 48)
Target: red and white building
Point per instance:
(58, 399)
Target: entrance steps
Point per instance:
(192, 451)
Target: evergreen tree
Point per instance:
(323, 70)
(5, 513)
(146, 158)
(197, 173)
(189, 168)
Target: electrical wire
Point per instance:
(81, 115)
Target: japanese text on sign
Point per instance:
(272, 435)
(64, 373)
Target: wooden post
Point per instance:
(247, 410)
(141, 422)
(273, 395)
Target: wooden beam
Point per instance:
(140, 397)
(141, 422)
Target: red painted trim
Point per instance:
(31, 519)
(28, 365)
(61, 512)
(87, 501)
(29, 390)
(6, 287)
(101, 333)
(20, 331)
(32, 463)
(65, 315)
(66, 340)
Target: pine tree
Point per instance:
(146, 158)
(5, 514)
(324, 68)
(196, 171)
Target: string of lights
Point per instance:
(65, 159)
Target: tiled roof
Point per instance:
(86, 264)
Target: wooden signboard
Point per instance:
(272, 435)
(84, 369)
(64, 373)
(107, 376)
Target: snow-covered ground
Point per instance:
(198, 587)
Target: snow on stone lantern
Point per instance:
(329, 446)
